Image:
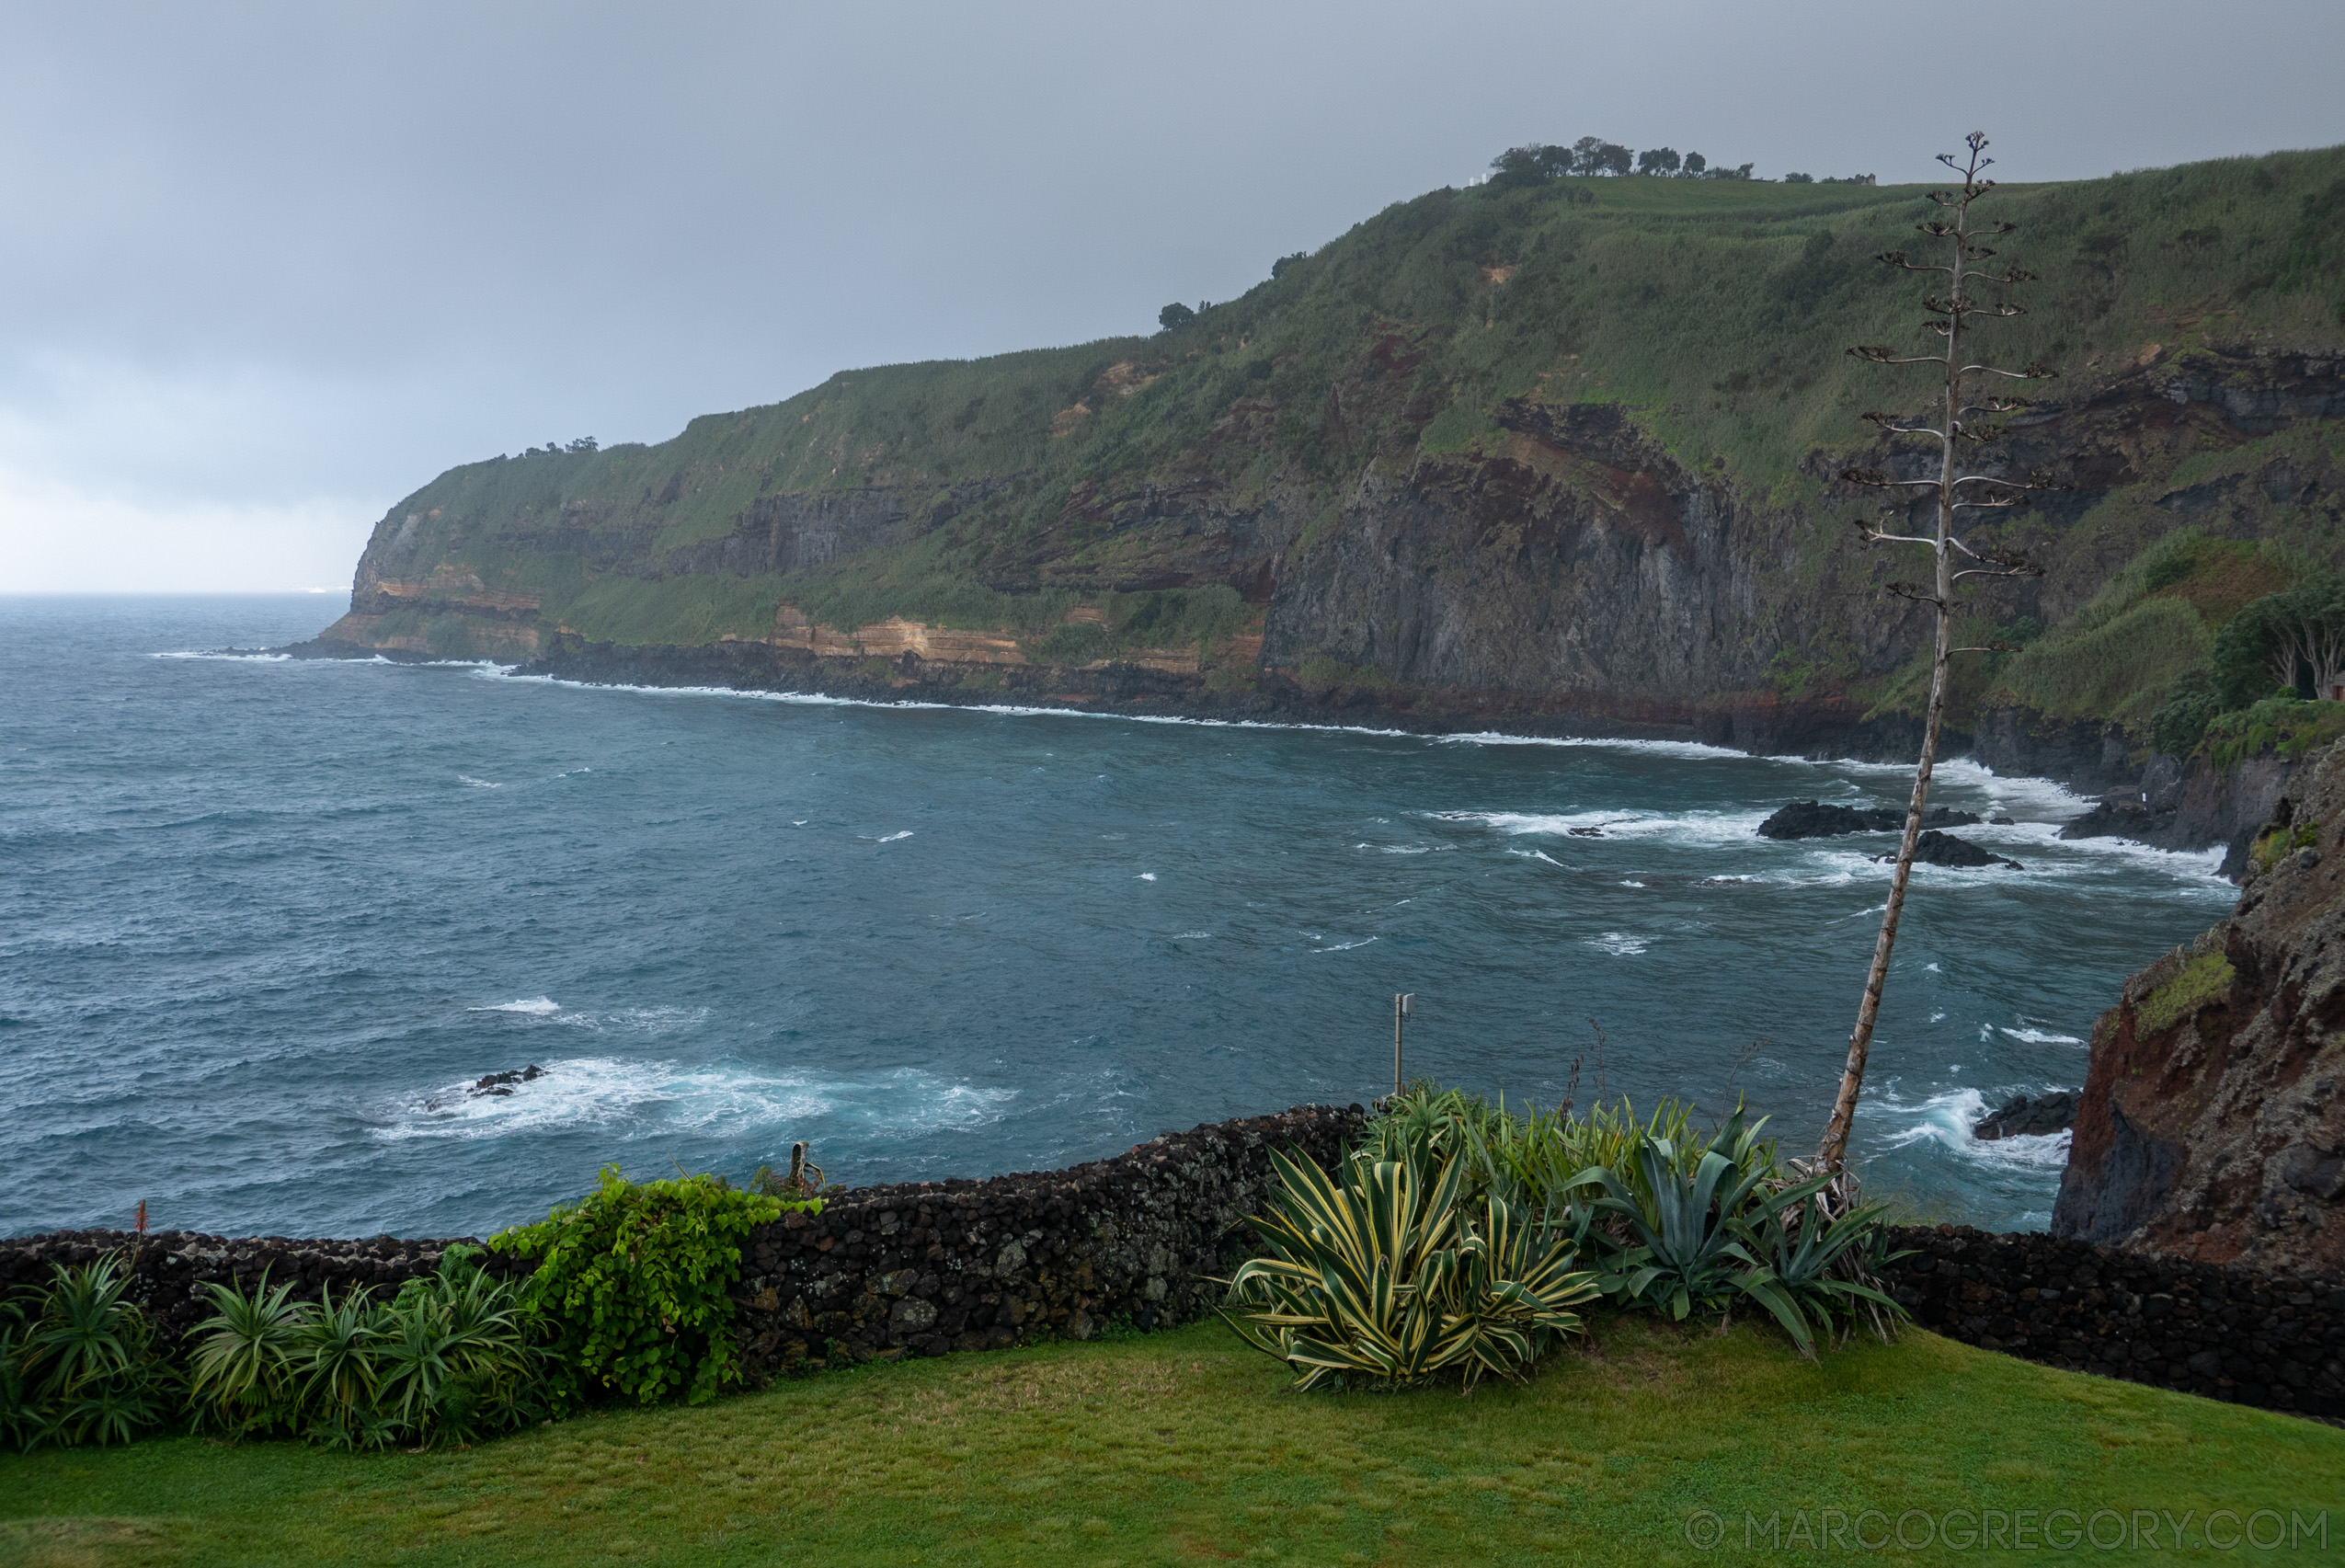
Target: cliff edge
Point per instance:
(2212, 1125)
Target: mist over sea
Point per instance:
(262, 923)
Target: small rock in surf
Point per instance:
(1935, 848)
(503, 1083)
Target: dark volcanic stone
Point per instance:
(2117, 819)
(2031, 1118)
(1944, 849)
(1812, 819)
(503, 1083)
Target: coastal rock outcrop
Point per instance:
(2212, 1123)
(2176, 806)
(2022, 1116)
(1812, 819)
(1303, 505)
(1935, 848)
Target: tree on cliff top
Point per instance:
(1960, 423)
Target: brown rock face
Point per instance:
(2212, 1124)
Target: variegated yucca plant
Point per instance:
(1385, 1274)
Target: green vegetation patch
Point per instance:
(634, 1282)
(2119, 667)
(2280, 842)
(1181, 1448)
(2277, 723)
(675, 610)
(2203, 981)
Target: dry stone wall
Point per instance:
(917, 1269)
(2221, 1331)
(167, 1266)
(929, 1267)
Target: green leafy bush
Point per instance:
(1385, 1272)
(632, 1281)
(77, 1361)
(2191, 704)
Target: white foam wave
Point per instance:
(892, 838)
(1651, 747)
(1619, 944)
(1946, 1119)
(1192, 935)
(537, 1005)
(659, 1100)
(1145, 877)
(226, 656)
(477, 783)
(2042, 1037)
(816, 699)
(1693, 827)
(1346, 946)
(1406, 849)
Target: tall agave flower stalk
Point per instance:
(1964, 418)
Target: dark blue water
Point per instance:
(262, 921)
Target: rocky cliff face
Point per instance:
(2212, 1124)
(1572, 569)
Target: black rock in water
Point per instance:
(503, 1083)
(2024, 1117)
(1812, 819)
(1944, 849)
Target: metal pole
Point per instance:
(1396, 1017)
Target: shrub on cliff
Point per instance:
(631, 1281)
(2277, 723)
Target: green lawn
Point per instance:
(1183, 1448)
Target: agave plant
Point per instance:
(1384, 1273)
(1689, 1229)
(1825, 1262)
(334, 1359)
(241, 1376)
(87, 1371)
(457, 1358)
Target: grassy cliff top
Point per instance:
(1714, 313)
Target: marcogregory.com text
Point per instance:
(1841, 1530)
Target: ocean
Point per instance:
(265, 921)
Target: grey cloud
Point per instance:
(270, 252)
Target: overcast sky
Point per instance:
(271, 268)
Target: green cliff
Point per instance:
(1563, 453)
